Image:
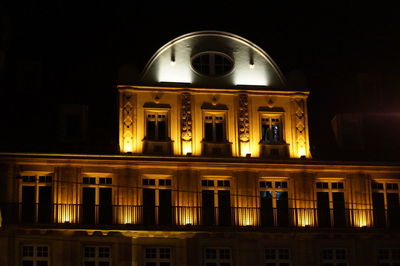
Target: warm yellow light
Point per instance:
(305, 217)
(128, 147)
(186, 216)
(67, 213)
(301, 151)
(186, 147)
(247, 217)
(245, 148)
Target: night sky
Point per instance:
(82, 46)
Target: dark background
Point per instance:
(68, 54)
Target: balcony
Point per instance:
(131, 215)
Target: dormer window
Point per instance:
(271, 129)
(212, 64)
(214, 128)
(157, 126)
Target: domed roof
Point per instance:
(212, 59)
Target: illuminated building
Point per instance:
(214, 169)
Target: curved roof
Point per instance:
(252, 66)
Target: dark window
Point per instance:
(214, 128)
(212, 64)
(207, 211)
(157, 126)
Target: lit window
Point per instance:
(96, 256)
(212, 64)
(217, 257)
(389, 257)
(271, 129)
(277, 257)
(157, 256)
(334, 257)
(33, 255)
(157, 126)
(214, 128)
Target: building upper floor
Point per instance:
(213, 94)
(130, 191)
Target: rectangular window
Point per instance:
(157, 126)
(334, 257)
(96, 201)
(216, 202)
(217, 257)
(386, 204)
(389, 257)
(271, 129)
(35, 255)
(274, 203)
(157, 201)
(157, 256)
(37, 199)
(330, 204)
(96, 256)
(214, 128)
(277, 257)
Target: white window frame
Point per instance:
(277, 260)
(334, 260)
(391, 261)
(214, 114)
(270, 116)
(35, 258)
(96, 259)
(217, 260)
(166, 118)
(158, 260)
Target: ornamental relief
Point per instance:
(186, 117)
(244, 125)
(128, 116)
(300, 122)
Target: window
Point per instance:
(35, 255)
(157, 126)
(277, 257)
(214, 127)
(96, 207)
(217, 257)
(157, 201)
(96, 256)
(389, 257)
(334, 257)
(330, 203)
(271, 129)
(386, 203)
(37, 198)
(212, 64)
(274, 203)
(216, 202)
(157, 256)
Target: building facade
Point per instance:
(214, 169)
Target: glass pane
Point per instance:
(165, 264)
(151, 253)
(89, 263)
(104, 263)
(90, 252)
(151, 264)
(27, 251)
(41, 263)
(151, 130)
(270, 254)
(208, 132)
(211, 253)
(27, 263)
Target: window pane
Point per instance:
(90, 263)
(151, 253)
(151, 130)
(104, 263)
(90, 252)
(162, 130)
(219, 132)
(41, 263)
(208, 132)
(165, 264)
(42, 251)
(211, 254)
(165, 253)
(27, 251)
(27, 263)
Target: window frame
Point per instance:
(157, 112)
(157, 259)
(96, 259)
(335, 261)
(217, 260)
(35, 258)
(214, 114)
(390, 260)
(270, 116)
(277, 260)
(212, 64)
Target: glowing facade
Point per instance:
(214, 169)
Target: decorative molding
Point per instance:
(244, 124)
(186, 117)
(300, 124)
(128, 121)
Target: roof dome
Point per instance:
(212, 59)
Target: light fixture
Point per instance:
(248, 155)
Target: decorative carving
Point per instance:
(270, 103)
(186, 117)
(300, 124)
(244, 125)
(128, 120)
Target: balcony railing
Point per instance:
(19, 213)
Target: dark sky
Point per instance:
(82, 45)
